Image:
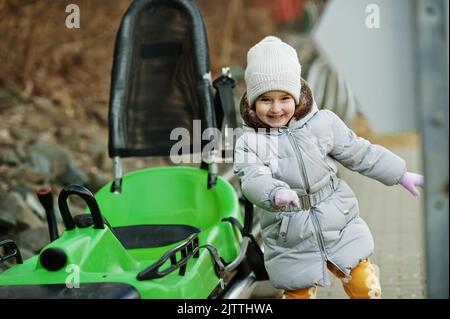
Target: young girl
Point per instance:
(287, 162)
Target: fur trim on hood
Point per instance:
(301, 110)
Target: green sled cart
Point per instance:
(161, 232)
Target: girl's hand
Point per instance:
(284, 197)
(410, 181)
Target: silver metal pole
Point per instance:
(432, 28)
(117, 171)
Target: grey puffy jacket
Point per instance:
(302, 157)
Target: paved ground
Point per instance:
(395, 219)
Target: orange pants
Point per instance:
(362, 283)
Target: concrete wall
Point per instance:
(378, 63)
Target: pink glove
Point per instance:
(285, 196)
(410, 181)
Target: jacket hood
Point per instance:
(304, 110)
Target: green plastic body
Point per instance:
(163, 195)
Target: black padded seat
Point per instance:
(143, 236)
(151, 236)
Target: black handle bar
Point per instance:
(46, 198)
(11, 251)
(88, 197)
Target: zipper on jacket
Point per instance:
(322, 240)
(319, 233)
(298, 153)
(316, 224)
(299, 156)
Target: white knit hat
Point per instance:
(272, 65)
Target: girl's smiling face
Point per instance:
(275, 108)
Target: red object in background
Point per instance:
(288, 10)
